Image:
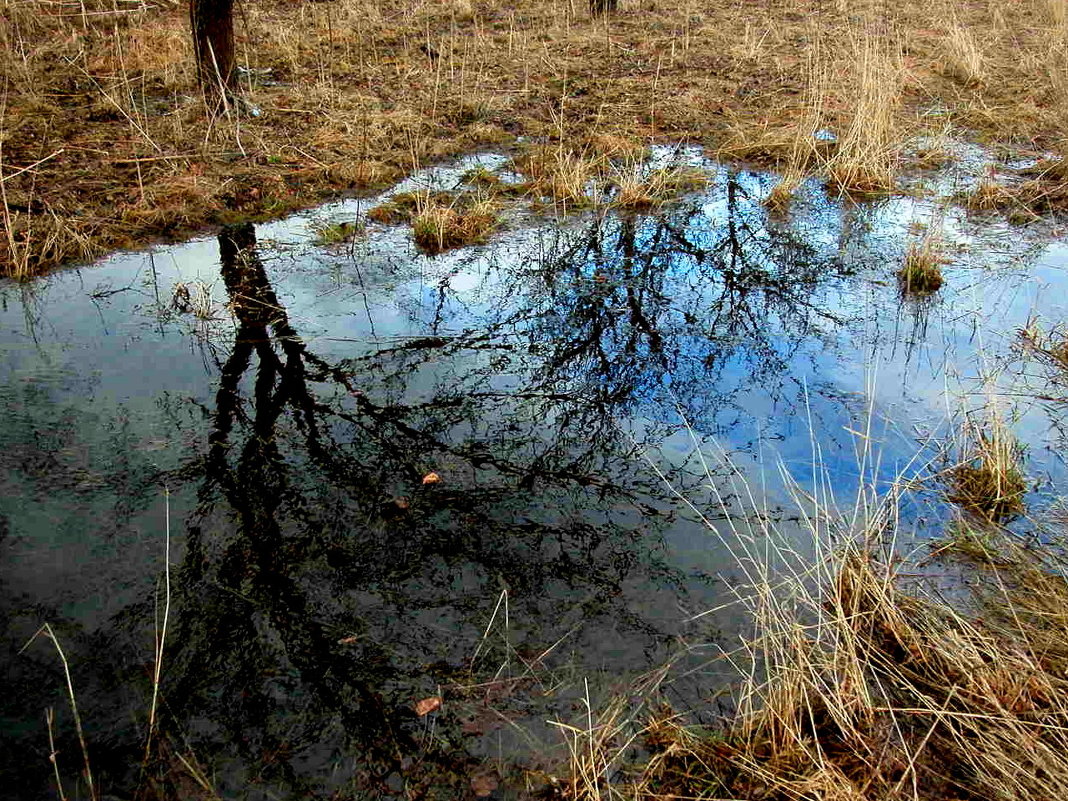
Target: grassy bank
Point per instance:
(867, 689)
(105, 142)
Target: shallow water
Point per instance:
(568, 384)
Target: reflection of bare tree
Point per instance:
(680, 311)
(324, 586)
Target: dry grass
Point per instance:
(988, 483)
(105, 142)
(1050, 347)
(867, 155)
(874, 692)
(921, 274)
(964, 60)
(437, 226)
(568, 177)
(990, 195)
(639, 188)
(858, 683)
(195, 298)
(806, 151)
(441, 220)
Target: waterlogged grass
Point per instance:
(437, 227)
(877, 692)
(637, 189)
(440, 220)
(857, 683)
(921, 274)
(336, 233)
(988, 483)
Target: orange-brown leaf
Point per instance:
(425, 706)
(431, 478)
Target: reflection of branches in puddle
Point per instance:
(342, 572)
(680, 301)
(325, 586)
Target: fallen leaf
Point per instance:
(483, 784)
(348, 640)
(427, 705)
(431, 478)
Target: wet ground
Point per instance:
(389, 477)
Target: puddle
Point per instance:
(283, 418)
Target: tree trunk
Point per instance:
(212, 22)
(603, 6)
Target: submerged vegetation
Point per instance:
(335, 233)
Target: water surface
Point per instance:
(573, 386)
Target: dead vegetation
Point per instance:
(1049, 346)
(921, 274)
(988, 481)
(861, 681)
(869, 690)
(105, 142)
(437, 226)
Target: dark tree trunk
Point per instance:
(212, 22)
(603, 6)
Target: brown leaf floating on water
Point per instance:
(425, 706)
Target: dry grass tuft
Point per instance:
(195, 298)
(990, 195)
(568, 177)
(403, 206)
(921, 274)
(437, 226)
(638, 188)
(989, 483)
(965, 61)
(867, 154)
(977, 543)
(615, 147)
(782, 194)
(806, 149)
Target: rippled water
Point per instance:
(569, 384)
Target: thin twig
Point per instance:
(161, 639)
